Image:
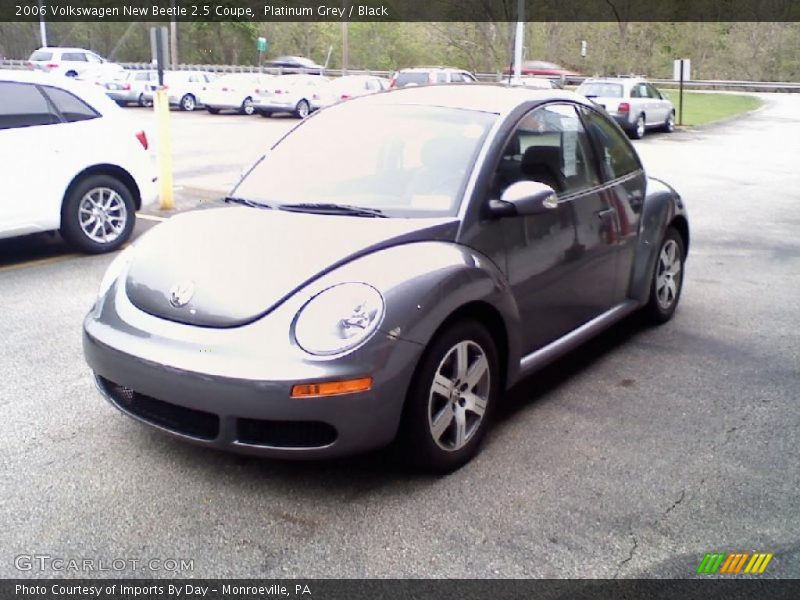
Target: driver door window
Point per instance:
(550, 146)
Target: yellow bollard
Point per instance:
(164, 157)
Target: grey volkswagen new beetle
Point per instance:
(387, 271)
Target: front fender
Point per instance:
(424, 283)
(662, 206)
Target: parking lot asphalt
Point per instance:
(631, 457)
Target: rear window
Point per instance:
(601, 90)
(23, 106)
(416, 77)
(41, 55)
(71, 107)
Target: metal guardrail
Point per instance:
(697, 85)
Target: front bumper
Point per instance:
(204, 386)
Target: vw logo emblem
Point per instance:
(181, 293)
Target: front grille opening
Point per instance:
(285, 434)
(186, 421)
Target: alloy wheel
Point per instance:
(668, 274)
(102, 215)
(459, 395)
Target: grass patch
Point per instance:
(700, 107)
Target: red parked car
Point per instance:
(539, 67)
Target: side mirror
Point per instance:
(524, 198)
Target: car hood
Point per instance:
(226, 267)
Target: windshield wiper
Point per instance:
(333, 209)
(246, 202)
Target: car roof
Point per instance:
(63, 49)
(86, 91)
(492, 98)
(431, 68)
(621, 80)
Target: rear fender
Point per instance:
(662, 205)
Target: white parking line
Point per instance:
(151, 217)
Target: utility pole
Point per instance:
(42, 25)
(345, 47)
(173, 39)
(518, 40)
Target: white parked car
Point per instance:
(234, 91)
(73, 62)
(184, 88)
(71, 161)
(297, 94)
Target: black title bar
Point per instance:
(401, 10)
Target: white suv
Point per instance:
(73, 62)
(72, 162)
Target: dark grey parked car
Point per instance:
(450, 241)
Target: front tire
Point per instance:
(98, 215)
(188, 103)
(302, 109)
(667, 281)
(669, 124)
(451, 398)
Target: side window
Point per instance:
(74, 56)
(93, 58)
(468, 78)
(635, 92)
(653, 92)
(617, 156)
(441, 77)
(72, 107)
(550, 145)
(456, 78)
(23, 106)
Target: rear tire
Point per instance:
(667, 280)
(98, 215)
(247, 107)
(451, 398)
(639, 128)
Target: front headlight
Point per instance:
(338, 318)
(117, 266)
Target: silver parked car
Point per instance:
(391, 267)
(132, 87)
(633, 102)
(299, 95)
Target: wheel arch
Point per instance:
(105, 169)
(681, 224)
(488, 316)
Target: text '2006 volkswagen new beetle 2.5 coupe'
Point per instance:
(385, 273)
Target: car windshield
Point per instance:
(601, 90)
(406, 161)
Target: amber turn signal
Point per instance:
(331, 388)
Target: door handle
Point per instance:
(605, 212)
